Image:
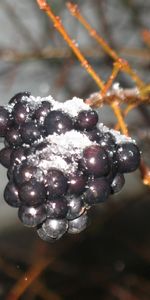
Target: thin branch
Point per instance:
(60, 28)
(124, 96)
(73, 8)
(85, 64)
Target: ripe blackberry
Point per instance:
(98, 191)
(86, 120)
(20, 112)
(55, 228)
(43, 235)
(11, 194)
(30, 132)
(57, 122)
(32, 193)
(17, 156)
(75, 207)
(42, 111)
(18, 97)
(32, 216)
(5, 156)
(41, 146)
(94, 135)
(77, 225)
(95, 161)
(107, 141)
(56, 183)
(25, 172)
(117, 183)
(10, 172)
(60, 162)
(128, 157)
(4, 120)
(76, 183)
(13, 136)
(56, 208)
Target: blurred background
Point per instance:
(111, 259)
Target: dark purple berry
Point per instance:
(32, 193)
(55, 228)
(11, 195)
(18, 97)
(78, 225)
(128, 157)
(95, 161)
(56, 183)
(10, 172)
(32, 216)
(43, 235)
(86, 119)
(76, 183)
(13, 136)
(41, 146)
(5, 155)
(42, 149)
(117, 183)
(107, 141)
(30, 132)
(25, 172)
(98, 191)
(17, 156)
(30, 150)
(75, 207)
(4, 120)
(42, 111)
(20, 112)
(57, 122)
(94, 135)
(56, 208)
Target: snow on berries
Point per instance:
(60, 161)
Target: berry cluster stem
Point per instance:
(119, 116)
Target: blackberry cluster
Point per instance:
(60, 162)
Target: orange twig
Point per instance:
(145, 172)
(124, 96)
(146, 37)
(27, 280)
(125, 113)
(57, 23)
(117, 111)
(73, 8)
(108, 84)
(120, 65)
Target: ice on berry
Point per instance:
(61, 160)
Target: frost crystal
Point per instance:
(120, 138)
(63, 151)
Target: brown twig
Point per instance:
(37, 289)
(73, 8)
(143, 91)
(85, 64)
(25, 281)
(60, 28)
(124, 96)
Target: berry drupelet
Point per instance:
(60, 162)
